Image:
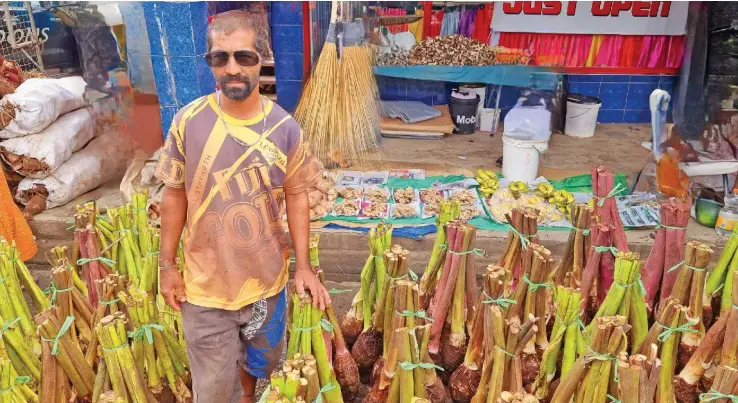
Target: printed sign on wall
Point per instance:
(592, 17)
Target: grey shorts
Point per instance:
(221, 342)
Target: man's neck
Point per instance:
(246, 109)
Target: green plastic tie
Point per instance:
(17, 381)
(105, 260)
(676, 266)
(524, 241)
(614, 399)
(409, 273)
(326, 325)
(337, 291)
(7, 325)
(503, 302)
(55, 340)
(417, 314)
(409, 366)
(601, 200)
(476, 251)
(53, 291)
(535, 286)
(659, 225)
(685, 328)
(606, 357)
(110, 350)
(506, 352)
(111, 302)
(584, 231)
(603, 249)
(327, 388)
(713, 395)
(145, 330)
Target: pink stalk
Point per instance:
(654, 267)
(592, 269)
(444, 301)
(677, 216)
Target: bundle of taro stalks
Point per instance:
(344, 365)
(452, 307)
(406, 369)
(447, 211)
(464, 382)
(702, 377)
(667, 250)
(297, 381)
(369, 346)
(591, 377)
(572, 266)
(523, 226)
(359, 317)
(308, 339)
(607, 229)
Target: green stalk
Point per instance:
(718, 276)
(407, 384)
(367, 277)
(325, 370)
(638, 318)
(37, 296)
(665, 390)
(726, 299)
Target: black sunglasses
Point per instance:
(219, 58)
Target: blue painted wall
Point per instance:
(624, 97)
(286, 26)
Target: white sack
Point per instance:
(56, 143)
(40, 101)
(103, 159)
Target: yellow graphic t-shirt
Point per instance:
(236, 250)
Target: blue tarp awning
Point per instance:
(512, 75)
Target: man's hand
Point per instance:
(305, 279)
(172, 288)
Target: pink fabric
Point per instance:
(572, 50)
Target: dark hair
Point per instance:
(233, 20)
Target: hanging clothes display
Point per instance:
(466, 25)
(436, 22)
(579, 50)
(450, 25)
(482, 22)
(416, 28)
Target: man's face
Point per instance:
(236, 82)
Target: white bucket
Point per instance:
(581, 115)
(520, 158)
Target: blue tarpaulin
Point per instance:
(512, 75)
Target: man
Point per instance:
(230, 159)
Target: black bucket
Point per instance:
(464, 114)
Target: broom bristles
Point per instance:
(339, 107)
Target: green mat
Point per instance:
(578, 183)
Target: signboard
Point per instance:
(592, 17)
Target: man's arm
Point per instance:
(298, 220)
(173, 217)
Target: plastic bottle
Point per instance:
(728, 216)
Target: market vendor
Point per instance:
(230, 159)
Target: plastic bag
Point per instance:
(39, 102)
(52, 146)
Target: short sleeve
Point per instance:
(303, 169)
(172, 159)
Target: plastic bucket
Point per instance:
(464, 114)
(520, 158)
(481, 90)
(581, 115)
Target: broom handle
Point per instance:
(334, 11)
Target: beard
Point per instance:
(237, 93)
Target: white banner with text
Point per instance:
(592, 17)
